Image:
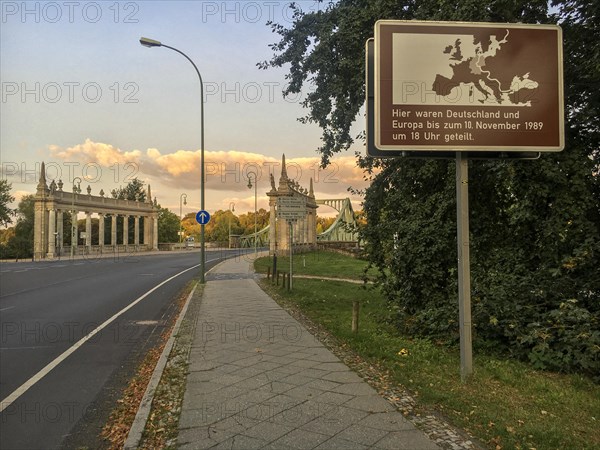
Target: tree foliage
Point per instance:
(20, 241)
(168, 226)
(134, 190)
(535, 243)
(5, 198)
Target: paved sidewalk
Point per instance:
(259, 379)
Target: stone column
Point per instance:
(60, 230)
(155, 232)
(74, 231)
(88, 231)
(272, 226)
(101, 231)
(312, 228)
(113, 232)
(125, 229)
(40, 227)
(136, 231)
(51, 236)
(147, 231)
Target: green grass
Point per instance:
(320, 263)
(506, 403)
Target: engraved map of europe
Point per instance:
(449, 69)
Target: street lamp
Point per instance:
(184, 198)
(76, 189)
(232, 209)
(152, 43)
(255, 213)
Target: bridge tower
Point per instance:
(304, 231)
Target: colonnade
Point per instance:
(51, 204)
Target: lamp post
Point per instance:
(255, 213)
(152, 43)
(76, 189)
(232, 209)
(184, 198)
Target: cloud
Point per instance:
(227, 171)
(95, 152)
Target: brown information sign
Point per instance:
(468, 86)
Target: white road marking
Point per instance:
(7, 308)
(50, 366)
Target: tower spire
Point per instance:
(283, 168)
(283, 179)
(311, 192)
(42, 187)
(149, 199)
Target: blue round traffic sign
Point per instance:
(202, 217)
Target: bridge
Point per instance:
(276, 234)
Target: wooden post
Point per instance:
(355, 311)
(283, 277)
(289, 285)
(277, 278)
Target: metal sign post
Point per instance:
(464, 265)
(291, 253)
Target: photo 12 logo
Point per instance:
(69, 92)
(70, 12)
(255, 12)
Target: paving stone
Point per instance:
(334, 397)
(361, 388)
(304, 393)
(240, 442)
(313, 373)
(194, 418)
(296, 379)
(268, 431)
(304, 363)
(332, 367)
(343, 377)
(406, 440)
(363, 435)
(369, 403)
(299, 439)
(387, 421)
(201, 387)
(201, 437)
(322, 385)
(337, 443)
(334, 419)
(277, 386)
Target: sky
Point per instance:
(80, 93)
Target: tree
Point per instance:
(134, 190)
(5, 199)
(217, 230)
(191, 227)
(247, 221)
(536, 225)
(20, 245)
(168, 226)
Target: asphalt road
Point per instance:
(68, 386)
